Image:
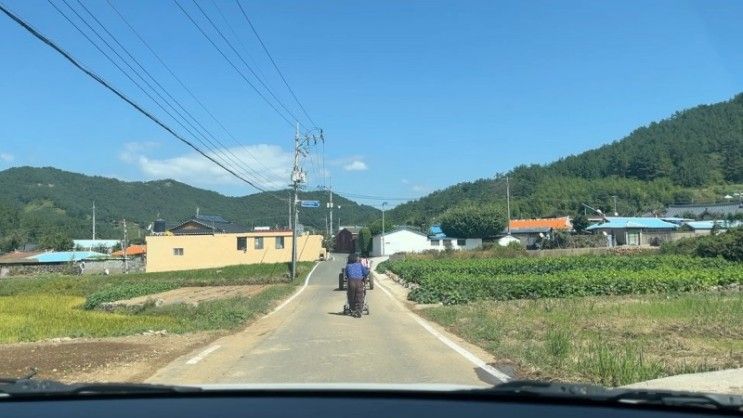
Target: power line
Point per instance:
(232, 64)
(275, 66)
(190, 92)
(115, 91)
(260, 80)
(225, 153)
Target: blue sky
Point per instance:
(413, 95)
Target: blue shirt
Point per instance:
(356, 271)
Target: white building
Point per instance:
(405, 240)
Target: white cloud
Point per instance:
(419, 188)
(356, 165)
(133, 150)
(405, 181)
(7, 157)
(266, 165)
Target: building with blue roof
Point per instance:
(635, 230)
(66, 256)
(708, 226)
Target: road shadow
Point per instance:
(338, 314)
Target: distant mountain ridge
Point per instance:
(35, 201)
(694, 155)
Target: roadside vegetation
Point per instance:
(610, 340)
(607, 319)
(55, 306)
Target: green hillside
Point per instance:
(39, 201)
(696, 155)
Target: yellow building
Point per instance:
(200, 243)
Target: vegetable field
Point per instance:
(454, 281)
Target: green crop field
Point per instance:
(454, 281)
(50, 306)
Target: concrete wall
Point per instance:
(114, 266)
(210, 251)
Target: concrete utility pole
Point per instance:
(330, 205)
(94, 220)
(383, 238)
(301, 145)
(615, 205)
(126, 266)
(508, 203)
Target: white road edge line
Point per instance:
(197, 358)
(304, 286)
(449, 343)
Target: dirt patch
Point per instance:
(188, 295)
(116, 359)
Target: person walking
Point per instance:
(356, 274)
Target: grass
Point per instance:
(60, 306)
(609, 340)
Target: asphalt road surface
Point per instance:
(310, 341)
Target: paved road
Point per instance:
(309, 341)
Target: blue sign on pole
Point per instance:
(310, 203)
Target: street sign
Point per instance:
(310, 203)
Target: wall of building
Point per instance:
(409, 242)
(399, 242)
(210, 251)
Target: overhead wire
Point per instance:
(221, 150)
(239, 56)
(201, 104)
(275, 66)
(232, 64)
(116, 92)
(214, 148)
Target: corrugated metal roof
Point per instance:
(65, 256)
(89, 243)
(633, 222)
(710, 224)
(702, 208)
(131, 250)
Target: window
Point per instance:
(447, 243)
(279, 243)
(258, 243)
(177, 251)
(461, 242)
(434, 243)
(242, 243)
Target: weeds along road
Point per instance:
(310, 341)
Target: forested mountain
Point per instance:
(695, 155)
(38, 201)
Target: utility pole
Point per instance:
(126, 266)
(615, 205)
(508, 204)
(94, 220)
(330, 205)
(383, 238)
(301, 144)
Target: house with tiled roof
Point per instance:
(131, 251)
(206, 225)
(530, 231)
